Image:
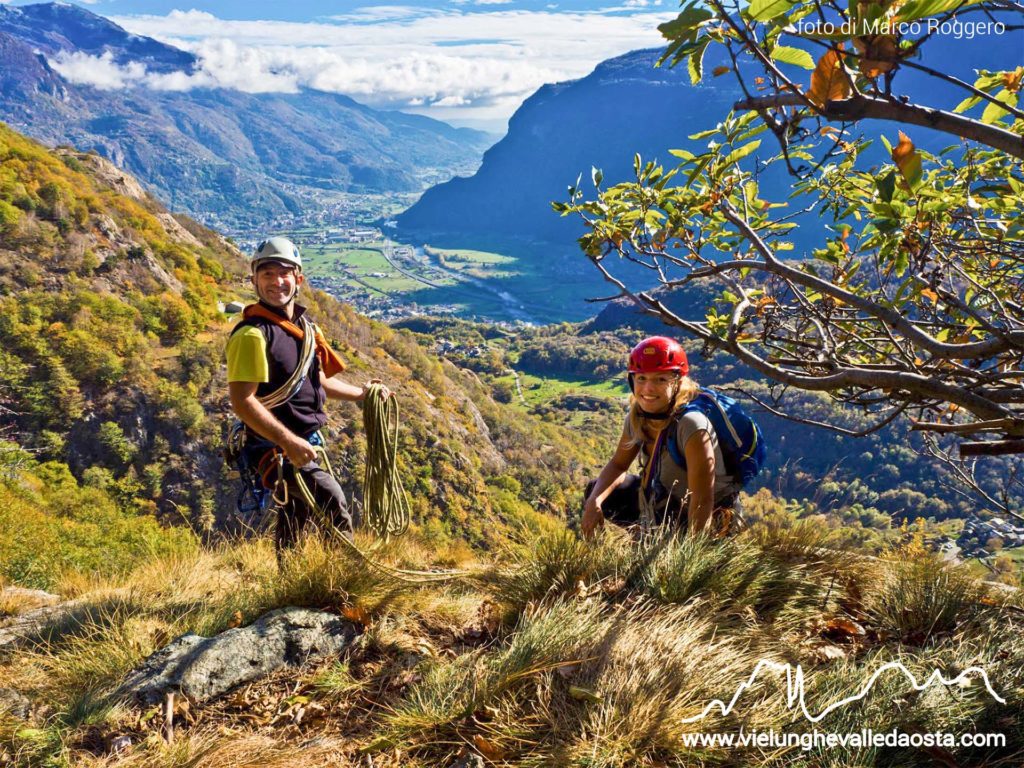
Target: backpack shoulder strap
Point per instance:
(706, 403)
(672, 441)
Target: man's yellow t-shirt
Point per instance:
(247, 356)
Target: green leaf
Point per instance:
(585, 694)
(886, 186)
(703, 134)
(682, 153)
(794, 56)
(901, 262)
(596, 175)
(764, 10)
(966, 104)
(698, 168)
(993, 112)
(695, 64)
(685, 25)
(919, 9)
(738, 154)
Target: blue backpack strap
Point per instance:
(672, 443)
(705, 402)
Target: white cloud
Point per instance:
(451, 63)
(98, 71)
(376, 13)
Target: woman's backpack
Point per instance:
(740, 438)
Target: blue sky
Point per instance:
(468, 62)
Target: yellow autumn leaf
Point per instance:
(1012, 80)
(930, 294)
(878, 54)
(907, 160)
(829, 81)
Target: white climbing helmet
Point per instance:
(279, 249)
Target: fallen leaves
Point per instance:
(840, 629)
(826, 652)
(486, 624)
(357, 614)
(487, 748)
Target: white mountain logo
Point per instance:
(795, 687)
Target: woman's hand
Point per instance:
(593, 517)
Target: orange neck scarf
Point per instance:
(330, 363)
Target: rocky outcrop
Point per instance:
(40, 623)
(14, 704)
(203, 668)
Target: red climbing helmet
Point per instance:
(658, 353)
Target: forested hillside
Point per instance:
(868, 487)
(114, 397)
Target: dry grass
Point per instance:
(564, 653)
(15, 601)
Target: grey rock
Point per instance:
(37, 624)
(13, 703)
(203, 668)
(471, 760)
(34, 597)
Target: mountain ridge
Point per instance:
(219, 154)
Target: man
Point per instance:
(280, 373)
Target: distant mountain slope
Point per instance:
(217, 154)
(52, 27)
(625, 106)
(111, 370)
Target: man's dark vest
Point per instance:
(304, 413)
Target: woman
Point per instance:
(666, 493)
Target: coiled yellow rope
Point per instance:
(385, 502)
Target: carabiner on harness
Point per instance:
(280, 486)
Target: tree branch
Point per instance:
(861, 107)
(823, 424)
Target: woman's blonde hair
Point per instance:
(639, 426)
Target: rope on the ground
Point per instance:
(323, 520)
(385, 502)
